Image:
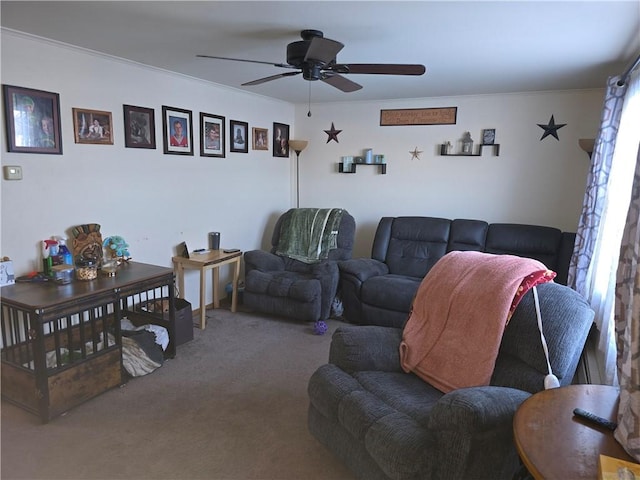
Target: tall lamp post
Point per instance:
(298, 146)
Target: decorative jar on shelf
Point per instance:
(86, 269)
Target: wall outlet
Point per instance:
(12, 172)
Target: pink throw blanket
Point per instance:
(458, 316)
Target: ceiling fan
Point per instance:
(315, 58)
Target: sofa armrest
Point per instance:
(323, 269)
(362, 348)
(362, 268)
(473, 428)
(263, 261)
(476, 408)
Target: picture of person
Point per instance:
(32, 120)
(26, 122)
(281, 143)
(92, 126)
(261, 140)
(238, 139)
(280, 140)
(138, 127)
(239, 136)
(212, 137)
(178, 139)
(96, 130)
(46, 137)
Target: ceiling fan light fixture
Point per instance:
(315, 57)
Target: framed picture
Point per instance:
(211, 135)
(139, 127)
(238, 136)
(92, 126)
(32, 120)
(280, 140)
(488, 136)
(260, 138)
(177, 131)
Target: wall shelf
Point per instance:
(382, 167)
(496, 151)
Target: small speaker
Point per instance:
(214, 240)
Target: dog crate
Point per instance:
(54, 359)
(62, 345)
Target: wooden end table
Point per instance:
(554, 444)
(210, 260)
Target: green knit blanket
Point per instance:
(308, 234)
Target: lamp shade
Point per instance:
(298, 145)
(587, 144)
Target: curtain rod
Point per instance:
(627, 72)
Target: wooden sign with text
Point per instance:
(419, 116)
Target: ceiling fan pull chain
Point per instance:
(309, 112)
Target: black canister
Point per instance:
(214, 240)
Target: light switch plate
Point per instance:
(12, 172)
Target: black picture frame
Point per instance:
(32, 120)
(238, 136)
(488, 136)
(177, 131)
(139, 127)
(280, 139)
(212, 135)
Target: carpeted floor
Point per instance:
(231, 405)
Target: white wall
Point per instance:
(532, 181)
(153, 200)
(156, 201)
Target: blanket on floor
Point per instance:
(308, 234)
(453, 334)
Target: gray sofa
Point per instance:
(386, 424)
(379, 290)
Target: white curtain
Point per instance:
(595, 261)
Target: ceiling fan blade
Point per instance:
(323, 50)
(272, 77)
(282, 65)
(378, 68)
(340, 82)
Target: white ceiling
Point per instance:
(468, 47)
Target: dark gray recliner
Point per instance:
(279, 285)
(386, 424)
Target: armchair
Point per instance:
(386, 424)
(278, 284)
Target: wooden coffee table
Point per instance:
(211, 260)
(553, 444)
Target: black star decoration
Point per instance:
(333, 134)
(551, 128)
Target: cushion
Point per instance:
(284, 284)
(392, 292)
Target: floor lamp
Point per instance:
(298, 146)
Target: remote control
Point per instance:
(601, 422)
(231, 250)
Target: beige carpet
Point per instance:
(231, 405)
